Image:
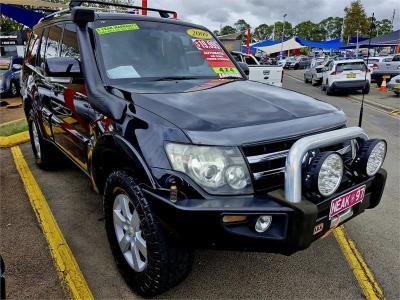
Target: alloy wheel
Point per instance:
(128, 233)
(36, 141)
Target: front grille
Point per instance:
(267, 161)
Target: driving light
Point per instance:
(370, 157)
(325, 173)
(219, 170)
(263, 223)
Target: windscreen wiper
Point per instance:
(171, 78)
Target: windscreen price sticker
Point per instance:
(217, 58)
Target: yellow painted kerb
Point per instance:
(64, 260)
(13, 140)
(360, 269)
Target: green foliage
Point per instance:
(9, 25)
(241, 25)
(309, 31)
(382, 27)
(227, 30)
(263, 32)
(13, 128)
(288, 32)
(355, 20)
(331, 27)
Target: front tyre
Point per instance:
(144, 256)
(44, 153)
(14, 91)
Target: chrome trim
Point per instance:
(259, 175)
(294, 159)
(269, 156)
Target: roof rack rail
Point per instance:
(163, 13)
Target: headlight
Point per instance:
(370, 157)
(219, 170)
(325, 173)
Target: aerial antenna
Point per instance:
(371, 28)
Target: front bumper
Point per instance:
(349, 85)
(199, 222)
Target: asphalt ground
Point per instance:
(319, 272)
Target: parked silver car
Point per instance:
(313, 73)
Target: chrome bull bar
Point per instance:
(294, 160)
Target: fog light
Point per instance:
(263, 223)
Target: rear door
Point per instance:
(351, 71)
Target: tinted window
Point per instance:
(354, 66)
(32, 49)
(396, 58)
(43, 48)
(53, 40)
(250, 61)
(69, 44)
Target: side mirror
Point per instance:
(244, 67)
(63, 67)
(16, 67)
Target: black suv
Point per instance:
(186, 151)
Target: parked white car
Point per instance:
(394, 85)
(268, 74)
(346, 75)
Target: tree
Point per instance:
(216, 32)
(241, 25)
(9, 25)
(279, 31)
(227, 30)
(332, 27)
(263, 32)
(382, 27)
(355, 20)
(309, 31)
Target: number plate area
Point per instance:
(344, 202)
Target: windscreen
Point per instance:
(351, 66)
(144, 50)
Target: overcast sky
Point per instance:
(213, 13)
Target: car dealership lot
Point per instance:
(318, 272)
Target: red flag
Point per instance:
(248, 41)
(144, 5)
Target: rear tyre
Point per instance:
(149, 264)
(328, 90)
(44, 152)
(305, 79)
(366, 90)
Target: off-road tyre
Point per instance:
(48, 153)
(166, 265)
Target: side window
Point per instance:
(53, 40)
(69, 44)
(43, 48)
(31, 52)
(250, 61)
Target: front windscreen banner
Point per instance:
(213, 53)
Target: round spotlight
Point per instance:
(263, 223)
(325, 173)
(370, 157)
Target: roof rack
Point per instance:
(163, 13)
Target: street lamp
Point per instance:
(283, 34)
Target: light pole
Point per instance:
(283, 34)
